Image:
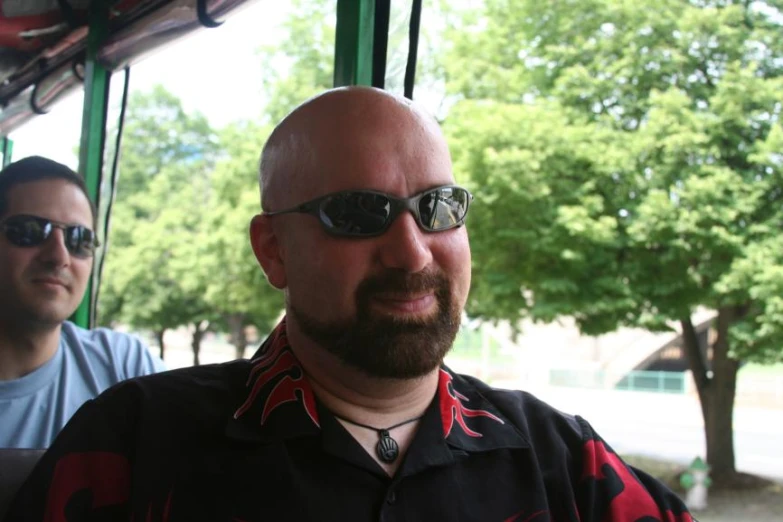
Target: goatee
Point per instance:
(386, 346)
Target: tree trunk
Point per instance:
(720, 430)
(716, 388)
(236, 323)
(159, 336)
(199, 330)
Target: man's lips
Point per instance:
(51, 281)
(416, 303)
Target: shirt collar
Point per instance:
(469, 420)
(280, 404)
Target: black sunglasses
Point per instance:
(366, 213)
(30, 231)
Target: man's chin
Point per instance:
(400, 351)
(392, 366)
(383, 345)
(47, 316)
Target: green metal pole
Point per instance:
(96, 102)
(354, 42)
(8, 150)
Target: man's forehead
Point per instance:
(355, 139)
(366, 149)
(55, 199)
(384, 171)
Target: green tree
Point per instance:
(165, 164)
(234, 285)
(627, 171)
(159, 132)
(144, 281)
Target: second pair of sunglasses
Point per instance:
(29, 231)
(367, 213)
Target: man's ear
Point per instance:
(267, 250)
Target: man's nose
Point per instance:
(53, 250)
(405, 245)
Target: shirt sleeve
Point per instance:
(85, 474)
(148, 363)
(138, 360)
(611, 490)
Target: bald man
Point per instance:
(346, 412)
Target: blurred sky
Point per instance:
(213, 70)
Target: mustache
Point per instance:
(403, 282)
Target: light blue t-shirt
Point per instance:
(34, 408)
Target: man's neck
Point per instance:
(24, 349)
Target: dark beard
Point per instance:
(389, 347)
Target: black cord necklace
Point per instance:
(387, 448)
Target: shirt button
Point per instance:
(391, 497)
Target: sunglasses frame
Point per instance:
(65, 227)
(314, 207)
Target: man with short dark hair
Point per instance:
(346, 412)
(48, 366)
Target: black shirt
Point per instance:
(247, 441)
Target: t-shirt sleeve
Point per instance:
(85, 474)
(608, 489)
(136, 358)
(147, 362)
(110, 356)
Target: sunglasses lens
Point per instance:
(444, 208)
(356, 213)
(25, 231)
(80, 241)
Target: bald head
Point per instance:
(386, 304)
(332, 134)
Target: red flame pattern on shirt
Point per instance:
(452, 409)
(276, 361)
(633, 502)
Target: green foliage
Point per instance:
(759, 275)
(179, 250)
(143, 284)
(165, 163)
(626, 162)
(545, 231)
(159, 133)
(234, 282)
